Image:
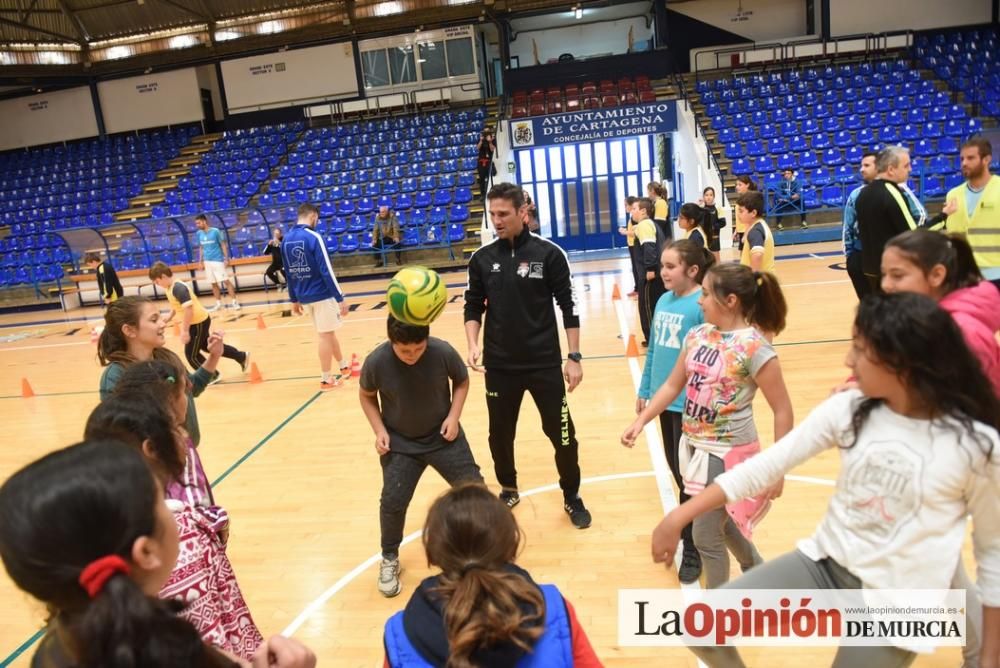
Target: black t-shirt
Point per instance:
(414, 399)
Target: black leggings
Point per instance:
(504, 393)
(649, 294)
(199, 342)
(272, 272)
(672, 428)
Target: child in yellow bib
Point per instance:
(758, 243)
(196, 322)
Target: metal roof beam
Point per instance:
(187, 10)
(83, 36)
(27, 12)
(41, 31)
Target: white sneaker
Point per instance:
(388, 578)
(235, 305)
(213, 309)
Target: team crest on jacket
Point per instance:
(522, 270)
(536, 270)
(496, 268)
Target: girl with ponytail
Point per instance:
(943, 267)
(720, 367)
(85, 531)
(482, 610)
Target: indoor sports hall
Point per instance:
(131, 129)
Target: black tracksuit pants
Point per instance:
(199, 342)
(649, 294)
(504, 392)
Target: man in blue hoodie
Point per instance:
(313, 287)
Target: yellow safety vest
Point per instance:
(768, 264)
(982, 227)
(198, 312)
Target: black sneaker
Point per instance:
(578, 514)
(690, 569)
(245, 363)
(510, 497)
(805, 225)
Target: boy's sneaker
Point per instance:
(690, 569)
(510, 497)
(388, 577)
(245, 363)
(215, 378)
(213, 309)
(235, 305)
(805, 225)
(345, 373)
(779, 227)
(578, 513)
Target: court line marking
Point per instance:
(358, 570)
(453, 286)
(355, 572)
(591, 358)
(26, 645)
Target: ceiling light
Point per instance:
(225, 35)
(116, 52)
(387, 8)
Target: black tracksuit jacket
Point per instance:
(514, 285)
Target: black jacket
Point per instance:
(882, 214)
(514, 285)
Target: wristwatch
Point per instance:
(574, 357)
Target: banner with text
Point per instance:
(594, 124)
(918, 620)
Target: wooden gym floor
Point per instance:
(297, 470)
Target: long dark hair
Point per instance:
(696, 215)
(926, 249)
(133, 419)
(759, 293)
(906, 332)
(70, 508)
(472, 536)
(693, 255)
(112, 346)
(160, 379)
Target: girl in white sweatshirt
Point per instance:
(918, 442)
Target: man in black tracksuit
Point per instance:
(882, 210)
(513, 281)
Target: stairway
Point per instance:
(154, 192)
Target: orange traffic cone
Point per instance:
(615, 292)
(255, 376)
(355, 366)
(632, 350)
(26, 390)
(260, 321)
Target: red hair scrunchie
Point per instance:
(98, 572)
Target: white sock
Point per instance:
(327, 377)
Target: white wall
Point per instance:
(47, 118)
(208, 78)
(150, 101)
(287, 78)
(762, 20)
(849, 17)
(606, 37)
(690, 160)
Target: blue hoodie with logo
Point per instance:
(307, 267)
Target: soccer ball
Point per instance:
(416, 295)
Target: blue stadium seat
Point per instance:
(734, 150)
(345, 207)
(755, 149)
(348, 243)
(365, 205)
(456, 233)
(832, 157)
(459, 213)
(741, 166)
(833, 196)
(788, 161)
(422, 200)
(437, 215)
